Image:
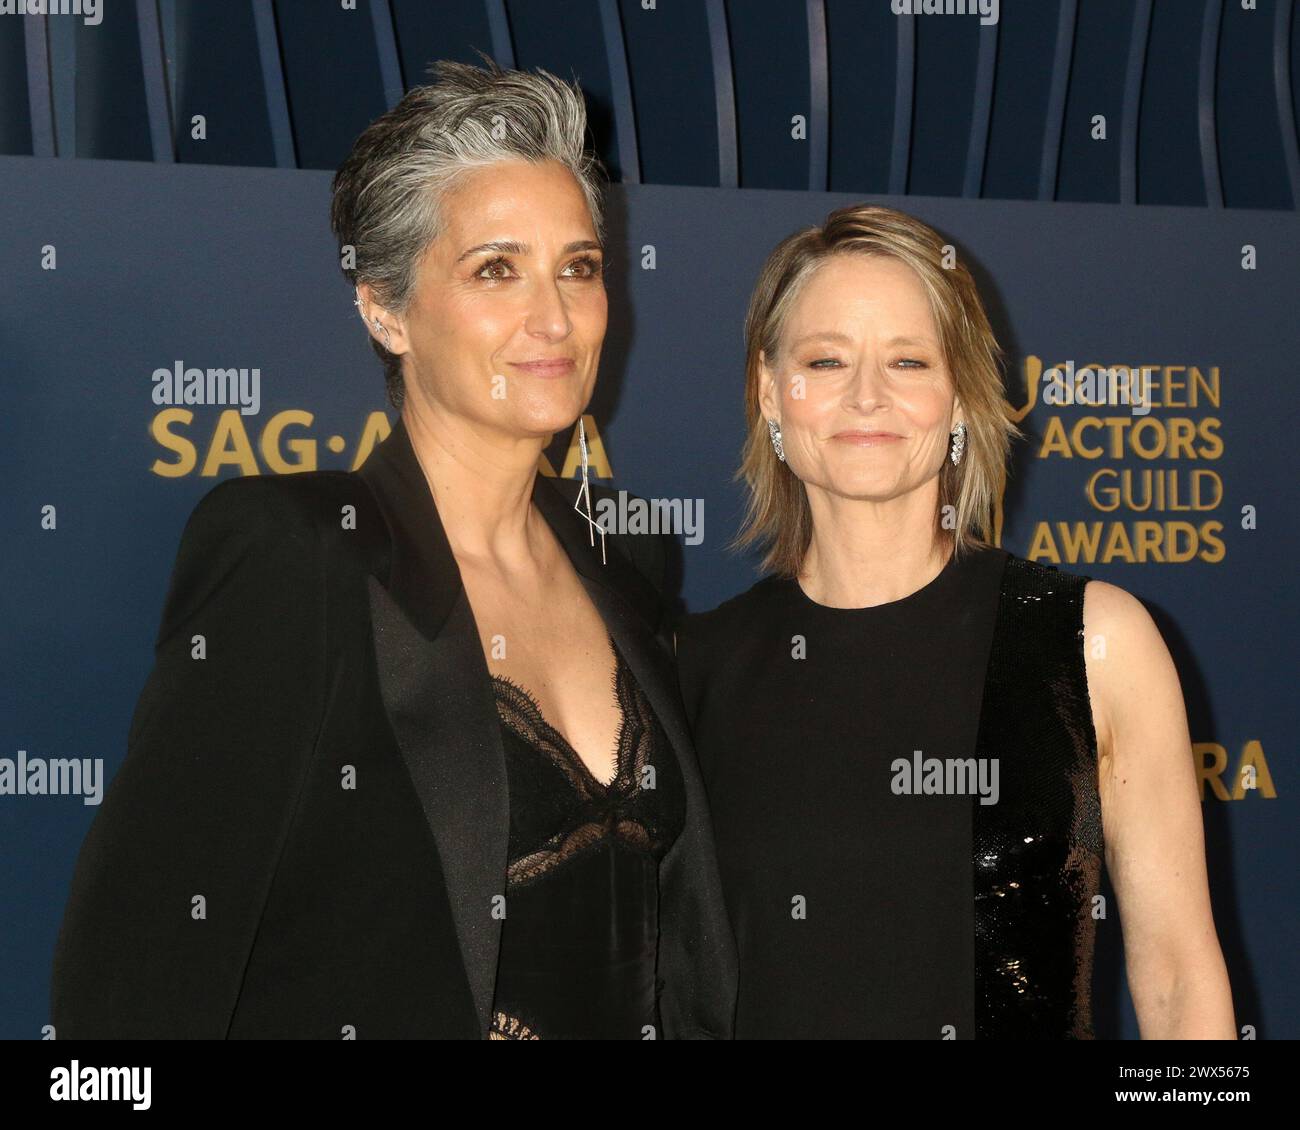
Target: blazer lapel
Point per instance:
(437, 692)
(446, 728)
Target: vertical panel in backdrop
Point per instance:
(1291, 50)
(450, 29)
(568, 41)
(672, 91)
(15, 111)
(769, 53)
(61, 47)
(112, 114)
(947, 54)
(218, 77)
(862, 41)
(1089, 168)
(1168, 144)
(1019, 127)
(1252, 154)
(331, 71)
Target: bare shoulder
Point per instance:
(1130, 670)
(1114, 618)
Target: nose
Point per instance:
(547, 316)
(867, 387)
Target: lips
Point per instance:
(867, 439)
(546, 367)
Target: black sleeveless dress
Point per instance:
(905, 804)
(580, 935)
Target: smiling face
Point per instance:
(509, 313)
(860, 386)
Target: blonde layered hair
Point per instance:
(778, 518)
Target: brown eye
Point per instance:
(588, 265)
(490, 269)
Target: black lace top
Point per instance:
(578, 944)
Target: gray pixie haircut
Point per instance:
(388, 193)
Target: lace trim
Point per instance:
(567, 845)
(507, 1027)
(519, 710)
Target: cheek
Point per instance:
(485, 328)
(589, 313)
(927, 410)
(817, 401)
(464, 325)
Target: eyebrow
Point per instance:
(835, 335)
(821, 335)
(514, 247)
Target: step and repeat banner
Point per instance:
(1151, 364)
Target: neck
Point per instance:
(863, 553)
(482, 483)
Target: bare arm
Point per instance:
(1151, 815)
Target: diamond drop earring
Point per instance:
(958, 443)
(774, 430)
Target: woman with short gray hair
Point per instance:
(431, 777)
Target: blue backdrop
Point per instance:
(113, 270)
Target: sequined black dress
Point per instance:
(578, 943)
(869, 898)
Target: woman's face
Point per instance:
(861, 390)
(509, 312)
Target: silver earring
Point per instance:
(958, 443)
(584, 495)
(379, 326)
(774, 430)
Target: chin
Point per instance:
(547, 418)
(865, 489)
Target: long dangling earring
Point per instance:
(958, 443)
(584, 495)
(774, 430)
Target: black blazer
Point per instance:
(311, 820)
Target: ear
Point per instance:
(769, 400)
(370, 309)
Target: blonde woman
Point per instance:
(916, 767)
